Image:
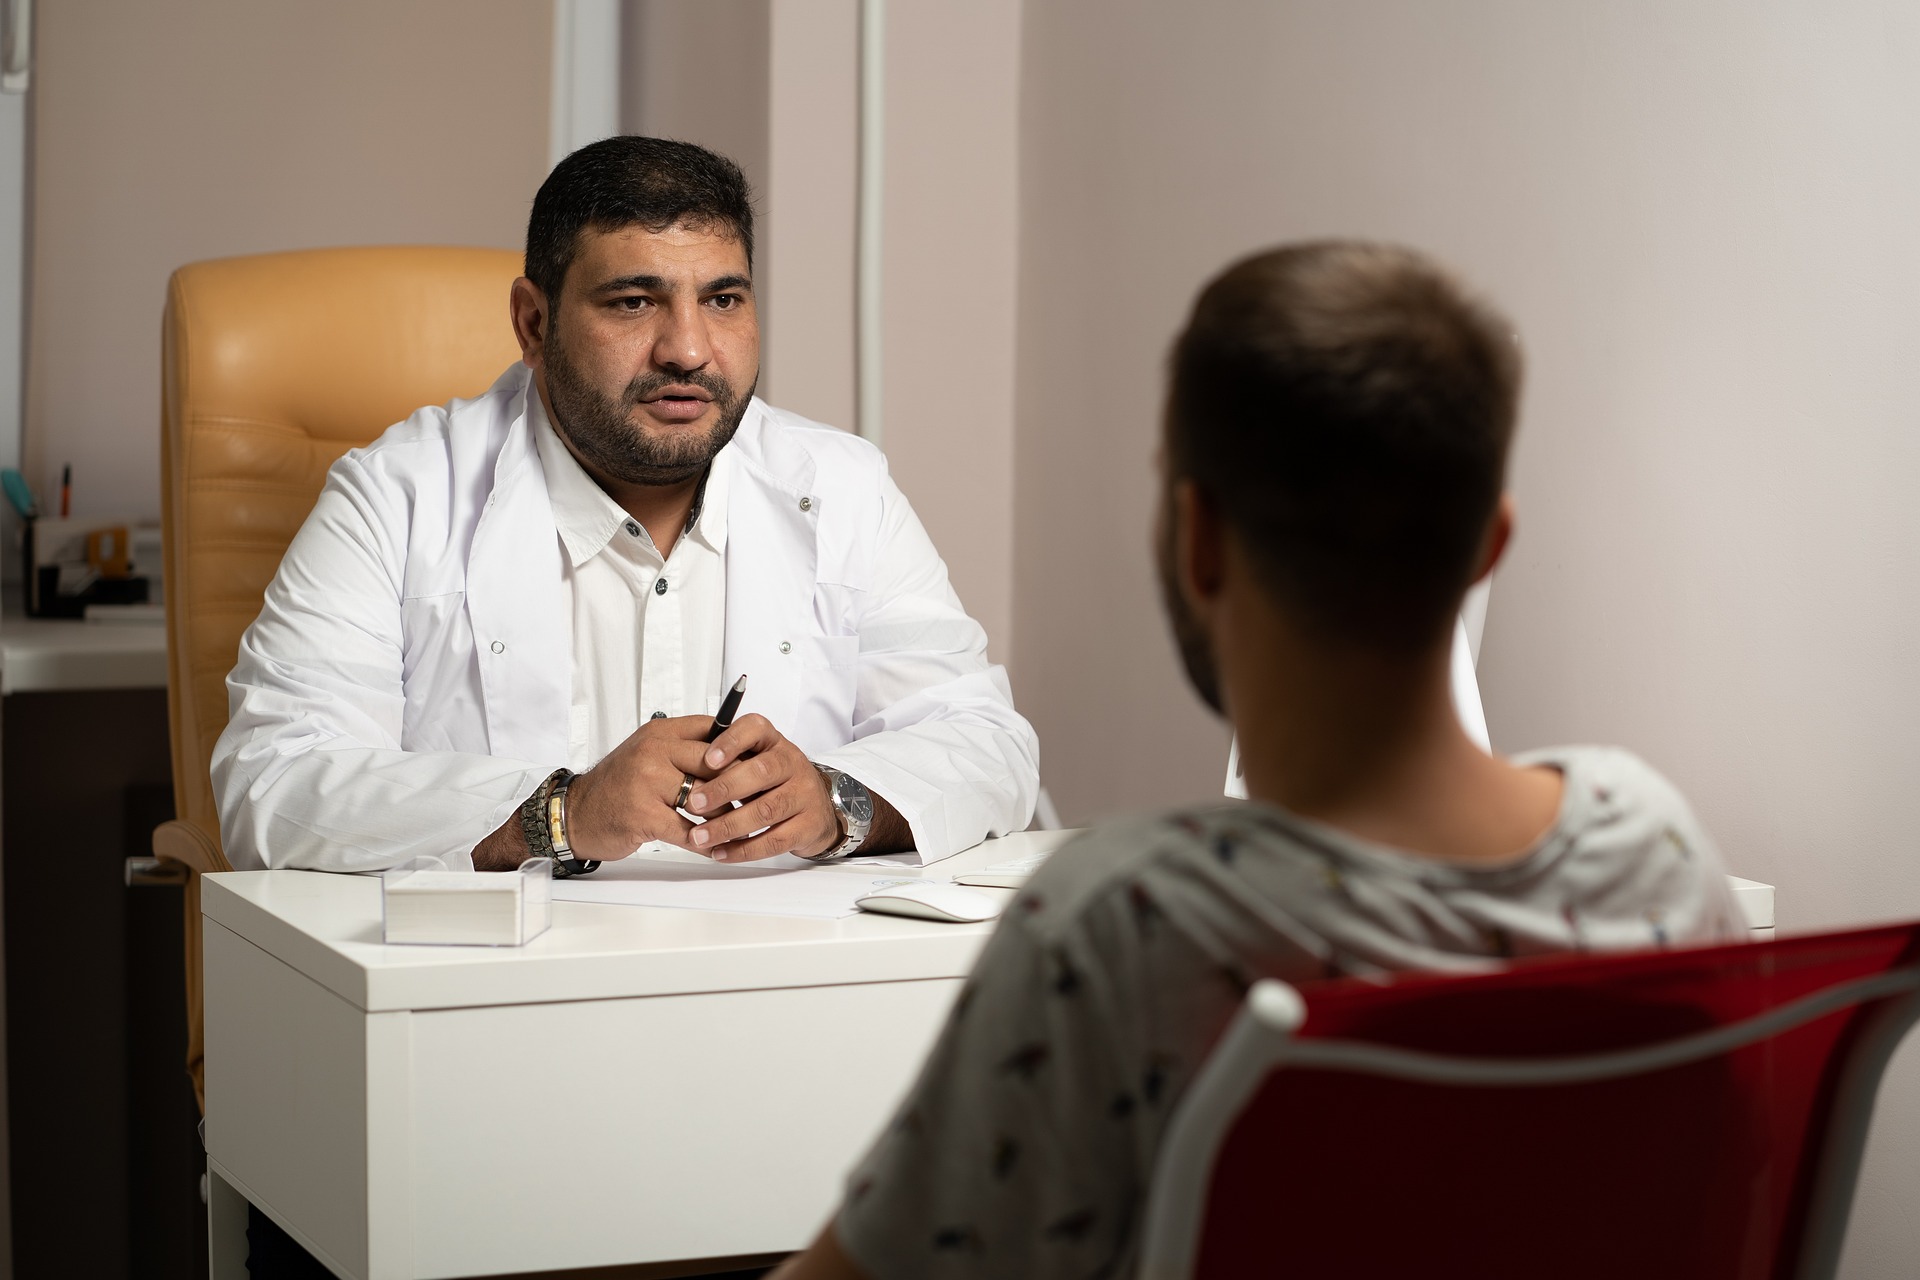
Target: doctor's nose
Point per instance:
(683, 343)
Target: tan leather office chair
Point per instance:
(272, 367)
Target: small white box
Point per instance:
(424, 903)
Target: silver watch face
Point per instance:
(855, 803)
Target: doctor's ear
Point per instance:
(527, 309)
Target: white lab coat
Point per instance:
(408, 682)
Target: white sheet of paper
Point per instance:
(660, 851)
(783, 886)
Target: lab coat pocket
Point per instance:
(427, 627)
(829, 679)
(830, 652)
(443, 711)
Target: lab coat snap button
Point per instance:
(499, 647)
(785, 647)
(633, 527)
(806, 504)
(658, 715)
(659, 586)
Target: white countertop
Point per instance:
(327, 926)
(43, 654)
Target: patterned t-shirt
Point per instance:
(1026, 1145)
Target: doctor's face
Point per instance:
(653, 351)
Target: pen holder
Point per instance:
(422, 903)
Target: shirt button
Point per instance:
(785, 647)
(658, 715)
(499, 647)
(806, 504)
(659, 586)
(633, 527)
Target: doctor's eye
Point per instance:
(726, 301)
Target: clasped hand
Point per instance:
(628, 798)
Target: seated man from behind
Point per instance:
(1336, 438)
(507, 625)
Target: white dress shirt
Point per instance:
(648, 635)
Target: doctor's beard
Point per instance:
(601, 429)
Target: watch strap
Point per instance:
(565, 862)
(543, 820)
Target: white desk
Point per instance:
(636, 1085)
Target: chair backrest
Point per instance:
(1695, 1114)
(273, 366)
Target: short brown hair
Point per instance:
(1347, 408)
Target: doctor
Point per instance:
(508, 623)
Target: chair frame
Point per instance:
(1263, 1038)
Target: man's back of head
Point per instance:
(1337, 428)
(1347, 407)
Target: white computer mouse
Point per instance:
(931, 900)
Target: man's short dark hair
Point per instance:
(1347, 408)
(620, 182)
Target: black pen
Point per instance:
(729, 707)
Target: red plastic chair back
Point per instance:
(1700, 1171)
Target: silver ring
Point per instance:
(686, 789)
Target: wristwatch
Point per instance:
(853, 805)
(543, 820)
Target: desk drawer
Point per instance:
(700, 1126)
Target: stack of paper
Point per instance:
(472, 907)
(782, 886)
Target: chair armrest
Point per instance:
(189, 845)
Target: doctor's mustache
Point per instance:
(648, 385)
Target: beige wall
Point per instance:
(1701, 216)
(812, 177)
(1132, 188)
(165, 133)
(696, 71)
(951, 280)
